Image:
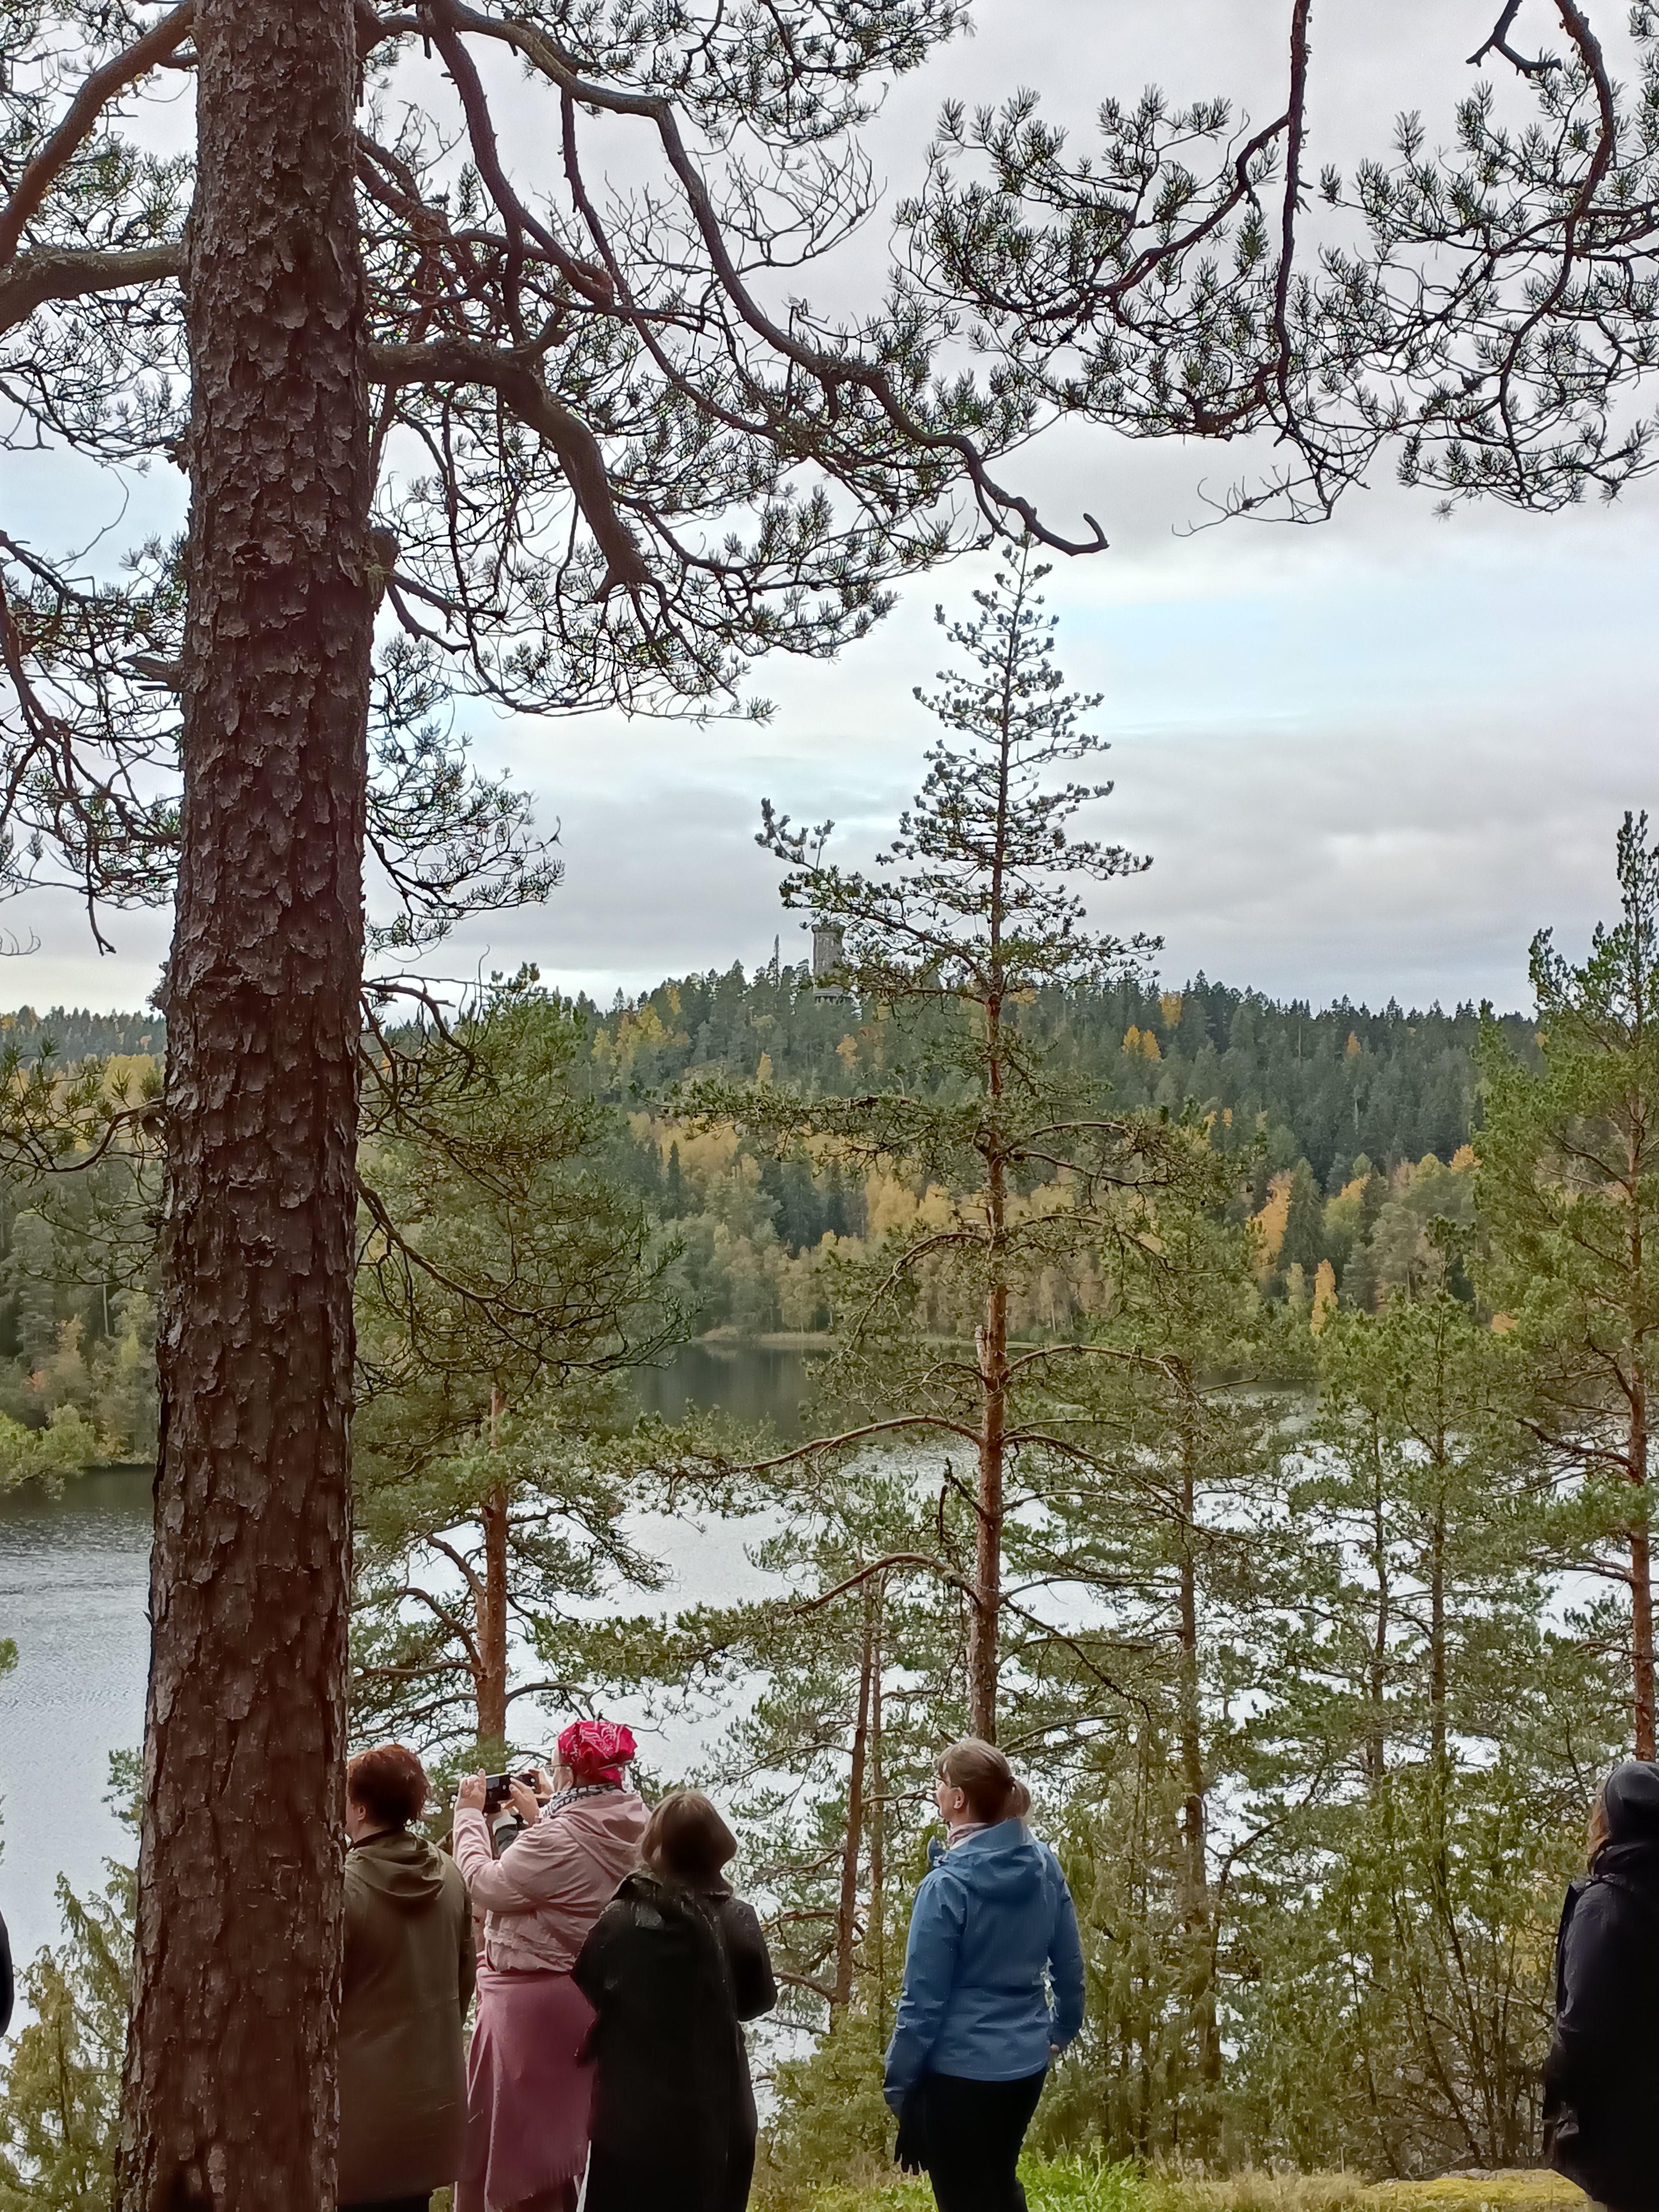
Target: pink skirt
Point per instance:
(528, 2094)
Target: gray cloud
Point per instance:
(1370, 759)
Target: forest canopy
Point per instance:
(1321, 1099)
(1308, 1580)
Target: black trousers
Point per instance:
(971, 2132)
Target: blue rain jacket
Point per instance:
(993, 1928)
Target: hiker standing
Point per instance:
(1604, 2056)
(529, 2091)
(406, 1984)
(992, 1926)
(673, 1964)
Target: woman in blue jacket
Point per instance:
(993, 1989)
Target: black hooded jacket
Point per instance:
(1603, 2061)
(671, 1972)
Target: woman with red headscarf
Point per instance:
(529, 2093)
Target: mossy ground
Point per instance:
(1082, 2185)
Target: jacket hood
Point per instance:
(1000, 1863)
(405, 1871)
(1630, 1802)
(612, 1825)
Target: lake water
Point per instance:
(74, 1575)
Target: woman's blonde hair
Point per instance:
(1595, 1841)
(983, 1776)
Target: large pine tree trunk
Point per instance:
(229, 2092)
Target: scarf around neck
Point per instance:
(556, 1804)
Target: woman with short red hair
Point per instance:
(529, 2093)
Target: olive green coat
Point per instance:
(407, 1984)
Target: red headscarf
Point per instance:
(597, 1751)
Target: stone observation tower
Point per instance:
(826, 958)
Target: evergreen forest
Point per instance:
(1342, 1118)
(1236, 1411)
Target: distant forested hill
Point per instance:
(76, 1033)
(1364, 1119)
(1327, 1086)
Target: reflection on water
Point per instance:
(74, 1576)
(751, 1381)
(74, 1571)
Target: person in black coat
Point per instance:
(7, 1991)
(1604, 2056)
(673, 1966)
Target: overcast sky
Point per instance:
(1368, 759)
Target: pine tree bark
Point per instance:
(1640, 1575)
(1439, 1664)
(985, 1616)
(490, 1606)
(877, 1816)
(1376, 1681)
(1199, 1906)
(229, 2089)
(991, 1346)
(1636, 1459)
(847, 1909)
(1440, 1763)
(1192, 1823)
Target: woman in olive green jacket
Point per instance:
(407, 1984)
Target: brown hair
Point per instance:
(686, 1839)
(981, 1773)
(389, 1782)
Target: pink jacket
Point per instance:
(549, 1887)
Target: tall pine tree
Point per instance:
(1568, 1188)
(1023, 1181)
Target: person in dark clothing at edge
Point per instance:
(1603, 2062)
(992, 1928)
(671, 1966)
(405, 1988)
(7, 1991)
